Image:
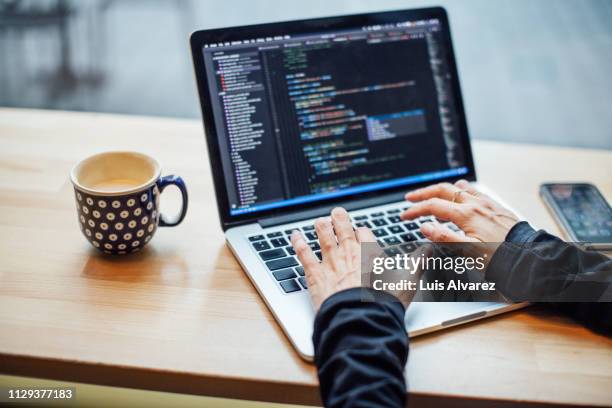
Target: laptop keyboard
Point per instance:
(275, 250)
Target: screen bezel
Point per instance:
(199, 38)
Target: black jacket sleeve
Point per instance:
(537, 266)
(361, 348)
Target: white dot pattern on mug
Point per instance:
(118, 225)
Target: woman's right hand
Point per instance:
(480, 217)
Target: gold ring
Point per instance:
(457, 194)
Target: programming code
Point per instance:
(305, 118)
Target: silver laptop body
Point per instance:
(294, 312)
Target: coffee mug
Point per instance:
(117, 199)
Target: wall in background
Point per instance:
(536, 71)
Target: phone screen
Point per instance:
(584, 210)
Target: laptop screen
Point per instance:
(311, 117)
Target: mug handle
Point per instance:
(164, 182)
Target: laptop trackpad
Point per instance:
(423, 317)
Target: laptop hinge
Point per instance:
(320, 211)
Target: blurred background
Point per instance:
(536, 71)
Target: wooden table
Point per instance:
(182, 316)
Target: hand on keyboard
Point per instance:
(479, 216)
(341, 253)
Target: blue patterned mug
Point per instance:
(117, 199)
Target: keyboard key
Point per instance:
(303, 282)
(423, 220)
(256, 238)
(381, 243)
(411, 226)
(318, 254)
(396, 229)
(408, 248)
(308, 228)
(290, 231)
(281, 263)
(311, 236)
(380, 232)
(393, 211)
(379, 222)
(392, 241)
(360, 217)
(378, 214)
(394, 219)
(420, 235)
(284, 274)
(409, 237)
(290, 286)
(453, 227)
(363, 224)
(279, 242)
(314, 246)
(290, 250)
(392, 251)
(275, 234)
(299, 270)
(272, 254)
(261, 245)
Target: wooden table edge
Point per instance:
(158, 380)
(221, 387)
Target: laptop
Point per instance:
(350, 111)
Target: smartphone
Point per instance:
(581, 211)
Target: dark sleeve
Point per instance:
(537, 266)
(361, 348)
